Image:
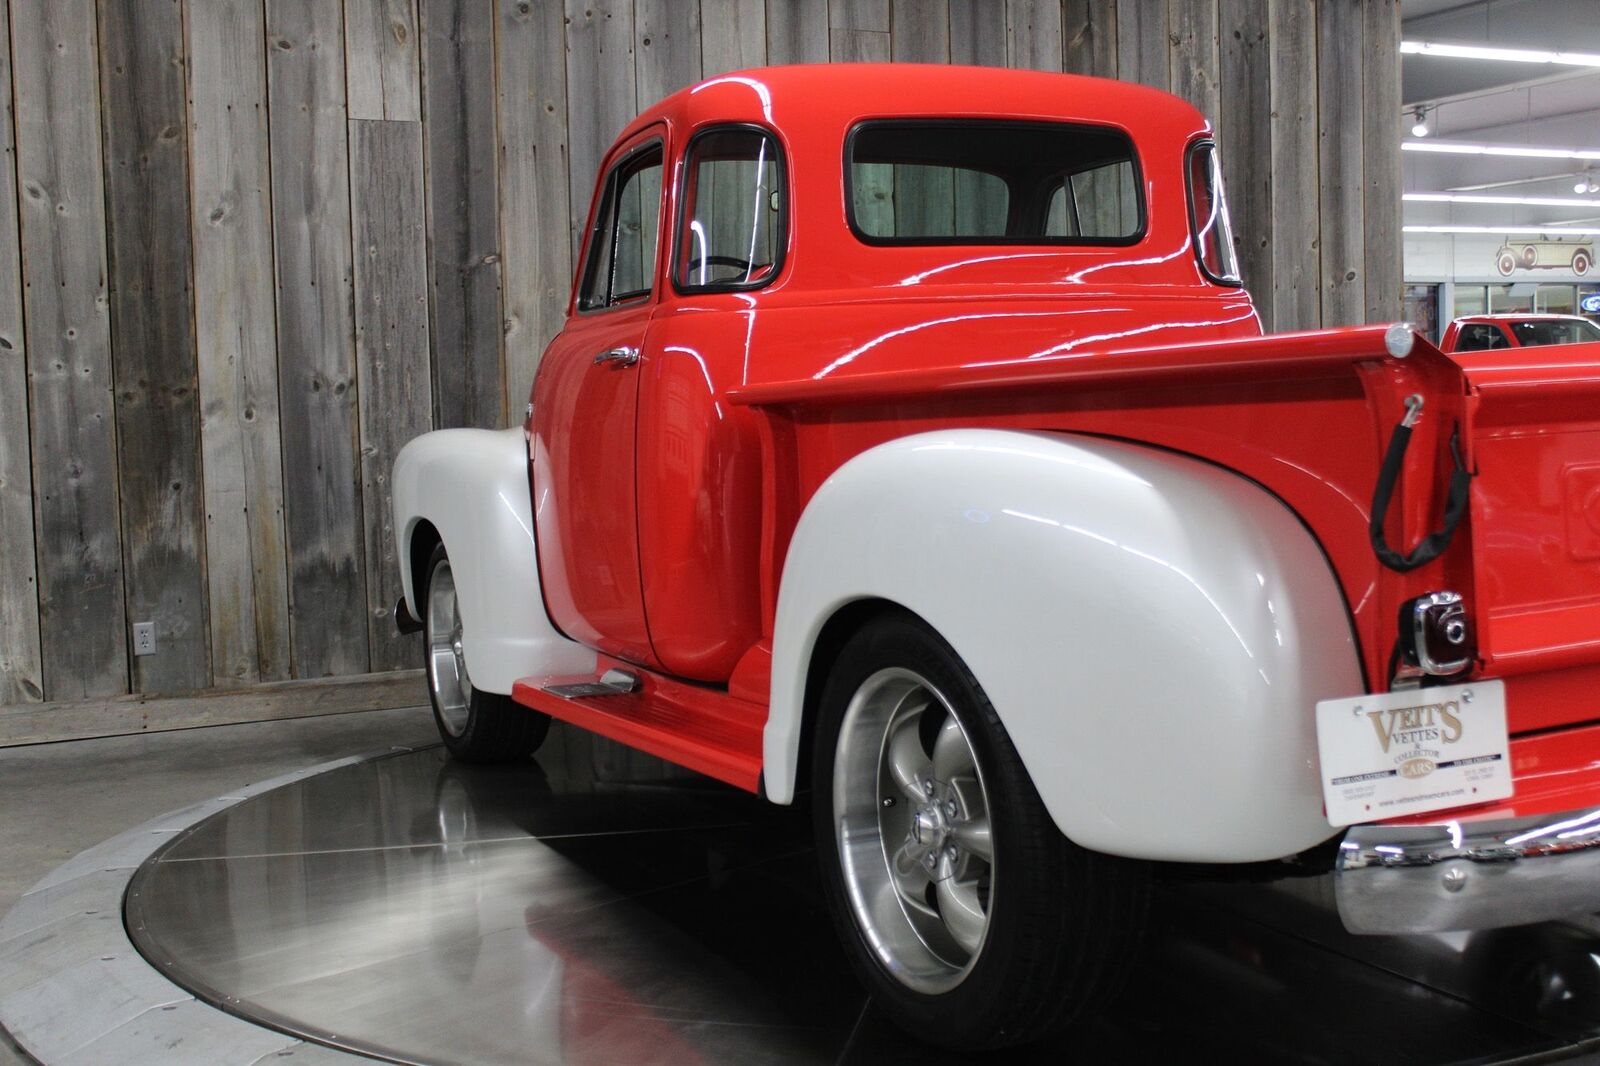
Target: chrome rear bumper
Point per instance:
(1469, 875)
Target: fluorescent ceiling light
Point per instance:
(1475, 198)
(1511, 151)
(1576, 231)
(1505, 55)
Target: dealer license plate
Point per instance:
(1412, 751)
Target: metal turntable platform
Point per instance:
(600, 907)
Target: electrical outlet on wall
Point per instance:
(144, 638)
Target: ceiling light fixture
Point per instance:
(1510, 151)
(1574, 231)
(1419, 128)
(1476, 198)
(1586, 183)
(1504, 55)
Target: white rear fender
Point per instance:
(1153, 631)
(471, 486)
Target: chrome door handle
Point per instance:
(618, 357)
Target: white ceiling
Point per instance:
(1496, 102)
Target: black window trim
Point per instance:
(861, 235)
(1194, 223)
(680, 212)
(614, 303)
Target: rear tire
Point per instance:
(476, 726)
(971, 919)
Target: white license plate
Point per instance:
(1412, 751)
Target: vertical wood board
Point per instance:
(1089, 37)
(20, 678)
(978, 33)
(667, 55)
(1142, 43)
(381, 62)
(1192, 54)
(391, 283)
(1342, 195)
(316, 337)
(81, 611)
(152, 329)
(1033, 34)
(797, 31)
(600, 62)
(1296, 270)
(236, 332)
(469, 387)
(733, 35)
(535, 190)
(859, 31)
(1244, 136)
(1383, 236)
(921, 31)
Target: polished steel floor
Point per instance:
(601, 907)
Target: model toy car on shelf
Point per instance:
(1482, 333)
(911, 441)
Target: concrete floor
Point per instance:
(58, 799)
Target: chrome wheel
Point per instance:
(911, 816)
(447, 666)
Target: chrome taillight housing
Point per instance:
(1436, 636)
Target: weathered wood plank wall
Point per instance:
(20, 678)
(77, 512)
(249, 247)
(152, 333)
(317, 385)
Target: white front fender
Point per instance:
(1153, 631)
(472, 486)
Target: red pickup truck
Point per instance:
(912, 442)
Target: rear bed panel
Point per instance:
(1536, 514)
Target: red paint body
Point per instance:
(694, 465)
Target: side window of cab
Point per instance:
(732, 225)
(621, 261)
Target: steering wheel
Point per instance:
(742, 265)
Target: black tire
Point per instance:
(1580, 263)
(1064, 924)
(484, 727)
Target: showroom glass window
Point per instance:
(992, 182)
(622, 253)
(731, 230)
(1208, 215)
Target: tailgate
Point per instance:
(1534, 420)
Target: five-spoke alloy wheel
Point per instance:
(476, 726)
(970, 918)
(912, 829)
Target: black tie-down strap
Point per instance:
(1455, 504)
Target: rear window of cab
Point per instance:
(949, 181)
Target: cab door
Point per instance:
(585, 411)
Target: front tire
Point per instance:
(971, 919)
(476, 726)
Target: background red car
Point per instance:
(1478, 333)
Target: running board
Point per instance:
(701, 728)
(613, 682)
